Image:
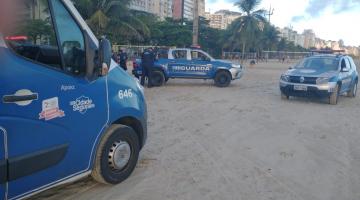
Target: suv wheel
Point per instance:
(353, 91)
(117, 155)
(334, 96)
(284, 96)
(222, 78)
(157, 78)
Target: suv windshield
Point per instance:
(323, 63)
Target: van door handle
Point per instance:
(17, 98)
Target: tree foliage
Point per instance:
(114, 19)
(250, 32)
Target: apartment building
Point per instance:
(221, 19)
(160, 8)
(309, 38)
(183, 9)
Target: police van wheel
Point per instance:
(157, 78)
(353, 91)
(117, 155)
(334, 96)
(222, 79)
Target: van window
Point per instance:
(34, 36)
(71, 40)
(197, 55)
(180, 54)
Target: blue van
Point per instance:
(323, 76)
(191, 64)
(66, 109)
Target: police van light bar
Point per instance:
(15, 38)
(195, 46)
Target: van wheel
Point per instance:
(157, 78)
(222, 78)
(353, 91)
(117, 155)
(284, 97)
(334, 96)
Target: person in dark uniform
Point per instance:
(123, 59)
(147, 62)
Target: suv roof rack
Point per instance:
(328, 51)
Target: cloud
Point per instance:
(316, 7)
(297, 18)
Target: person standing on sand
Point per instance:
(147, 62)
(123, 59)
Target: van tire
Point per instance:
(105, 169)
(352, 92)
(333, 99)
(157, 78)
(222, 78)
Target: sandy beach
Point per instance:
(239, 143)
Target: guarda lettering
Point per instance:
(82, 104)
(191, 68)
(67, 87)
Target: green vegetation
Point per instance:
(249, 33)
(37, 29)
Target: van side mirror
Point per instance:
(104, 56)
(98, 59)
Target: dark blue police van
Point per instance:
(191, 64)
(66, 109)
(323, 76)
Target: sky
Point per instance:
(330, 19)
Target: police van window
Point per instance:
(180, 54)
(34, 36)
(163, 53)
(71, 40)
(196, 55)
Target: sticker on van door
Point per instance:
(82, 104)
(50, 109)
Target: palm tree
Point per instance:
(247, 27)
(112, 17)
(270, 37)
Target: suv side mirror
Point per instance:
(104, 56)
(344, 69)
